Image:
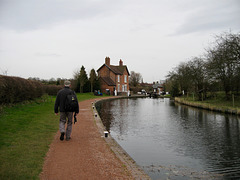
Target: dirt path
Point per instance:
(87, 155)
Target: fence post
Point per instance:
(233, 99)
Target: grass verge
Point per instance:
(26, 133)
(219, 104)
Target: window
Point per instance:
(118, 87)
(122, 88)
(125, 78)
(118, 78)
(125, 88)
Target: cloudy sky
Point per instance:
(54, 38)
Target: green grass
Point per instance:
(85, 96)
(26, 133)
(218, 102)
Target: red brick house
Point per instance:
(114, 78)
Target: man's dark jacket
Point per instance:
(61, 98)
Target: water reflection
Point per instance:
(168, 139)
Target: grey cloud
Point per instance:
(218, 15)
(40, 54)
(29, 14)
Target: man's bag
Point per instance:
(71, 103)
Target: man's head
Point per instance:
(67, 83)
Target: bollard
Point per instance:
(106, 133)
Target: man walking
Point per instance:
(66, 111)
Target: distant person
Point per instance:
(67, 103)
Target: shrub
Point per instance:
(16, 89)
(52, 89)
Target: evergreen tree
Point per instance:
(82, 78)
(92, 79)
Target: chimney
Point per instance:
(107, 61)
(120, 63)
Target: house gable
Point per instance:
(118, 70)
(114, 76)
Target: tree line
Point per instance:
(16, 89)
(79, 83)
(217, 70)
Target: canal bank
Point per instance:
(206, 106)
(88, 155)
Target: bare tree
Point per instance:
(221, 66)
(198, 77)
(135, 79)
(4, 72)
(224, 61)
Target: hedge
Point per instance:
(52, 89)
(16, 89)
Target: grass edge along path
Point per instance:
(27, 131)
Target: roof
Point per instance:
(115, 69)
(108, 81)
(155, 86)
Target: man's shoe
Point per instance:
(62, 136)
(68, 138)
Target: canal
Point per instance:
(172, 141)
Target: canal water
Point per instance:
(172, 141)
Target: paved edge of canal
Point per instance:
(121, 154)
